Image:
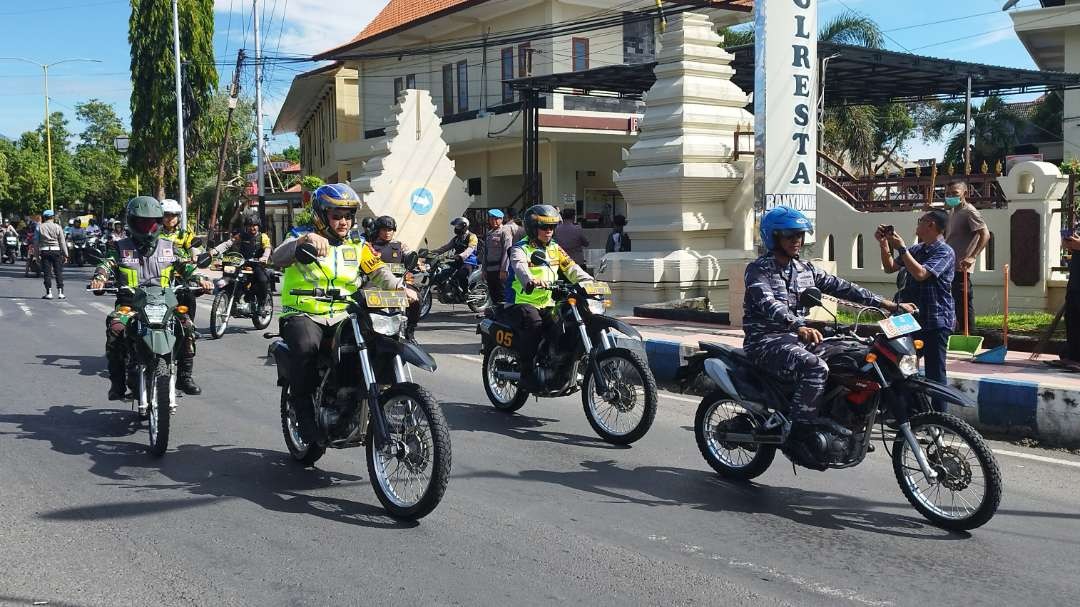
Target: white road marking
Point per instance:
(468, 357)
(25, 308)
(102, 307)
(74, 311)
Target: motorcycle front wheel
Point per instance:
(410, 474)
(505, 394)
(626, 412)
(739, 461)
(968, 488)
(425, 302)
(300, 451)
(477, 297)
(264, 312)
(219, 314)
(159, 383)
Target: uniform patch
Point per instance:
(370, 260)
(128, 257)
(349, 256)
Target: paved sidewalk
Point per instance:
(1020, 397)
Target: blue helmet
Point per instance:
(338, 196)
(48, 213)
(784, 220)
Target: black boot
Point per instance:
(117, 380)
(184, 367)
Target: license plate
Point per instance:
(385, 299)
(397, 269)
(596, 288)
(895, 326)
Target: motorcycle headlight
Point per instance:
(155, 313)
(596, 307)
(909, 365)
(389, 325)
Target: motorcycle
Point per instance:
(95, 249)
(77, 249)
(152, 319)
(944, 467)
(580, 352)
(234, 295)
(33, 262)
(421, 281)
(440, 283)
(11, 248)
(366, 397)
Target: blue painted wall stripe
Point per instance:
(664, 358)
(1008, 403)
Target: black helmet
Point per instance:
(384, 222)
(252, 219)
(460, 225)
(144, 217)
(540, 215)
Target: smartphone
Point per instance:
(889, 230)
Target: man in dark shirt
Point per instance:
(926, 275)
(1071, 354)
(571, 237)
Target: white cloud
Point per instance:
(310, 27)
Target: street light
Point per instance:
(48, 131)
(122, 143)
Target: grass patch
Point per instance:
(1029, 323)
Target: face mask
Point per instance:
(952, 201)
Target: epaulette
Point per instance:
(299, 231)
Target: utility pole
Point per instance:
(260, 174)
(967, 129)
(234, 93)
(182, 166)
(48, 136)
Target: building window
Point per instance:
(410, 81)
(639, 40)
(507, 74)
(448, 90)
(524, 60)
(989, 262)
(857, 253)
(399, 85)
(473, 184)
(463, 86)
(581, 54)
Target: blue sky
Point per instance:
(51, 30)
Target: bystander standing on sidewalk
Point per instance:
(968, 235)
(517, 231)
(571, 237)
(618, 241)
(53, 251)
(926, 280)
(1071, 353)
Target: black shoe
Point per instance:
(117, 392)
(410, 334)
(188, 386)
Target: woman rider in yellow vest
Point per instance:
(524, 311)
(345, 262)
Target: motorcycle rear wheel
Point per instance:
(300, 451)
(425, 303)
(625, 371)
(733, 461)
(264, 313)
(418, 426)
(505, 395)
(478, 298)
(159, 386)
(953, 449)
(220, 313)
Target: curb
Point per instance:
(1012, 408)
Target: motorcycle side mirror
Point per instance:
(203, 260)
(810, 298)
(306, 253)
(411, 260)
(539, 258)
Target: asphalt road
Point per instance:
(538, 510)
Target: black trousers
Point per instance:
(260, 282)
(530, 324)
(935, 343)
(304, 337)
(958, 298)
(1072, 326)
(53, 262)
(496, 288)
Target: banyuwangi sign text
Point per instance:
(785, 104)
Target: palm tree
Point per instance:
(994, 130)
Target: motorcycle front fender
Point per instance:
(933, 390)
(599, 323)
(159, 341)
(409, 352)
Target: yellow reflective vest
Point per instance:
(342, 268)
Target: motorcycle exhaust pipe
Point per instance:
(513, 376)
(752, 438)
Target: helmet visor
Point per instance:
(144, 225)
(789, 234)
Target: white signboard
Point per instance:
(785, 104)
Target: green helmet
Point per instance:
(144, 215)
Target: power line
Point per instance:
(950, 20)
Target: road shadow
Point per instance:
(468, 417)
(91, 366)
(472, 348)
(673, 486)
(7, 599)
(269, 479)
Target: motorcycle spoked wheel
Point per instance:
(410, 476)
(263, 313)
(718, 413)
(300, 451)
(160, 383)
(477, 298)
(220, 312)
(969, 486)
(505, 395)
(425, 304)
(630, 412)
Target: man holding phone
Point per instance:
(1071, 353)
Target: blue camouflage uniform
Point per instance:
(772, 317)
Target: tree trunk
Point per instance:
(159, 180)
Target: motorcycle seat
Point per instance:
(724, 350)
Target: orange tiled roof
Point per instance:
(399, 13)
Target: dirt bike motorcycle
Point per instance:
(365, 397)
(33, 262)
(234, 295)
(152, 319)
(944, 467)
(440, 278)
(77, 249)
(583, 351)
(11, 248)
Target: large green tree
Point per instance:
(994, 130)
(96, 158)
(153, 97)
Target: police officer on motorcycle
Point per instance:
(393, 252)
(141, 258)
(171, 230)
(252, 244)
(527, 294)
(464, 245)
(777, 335)
(345, 262)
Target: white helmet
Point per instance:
(168, 205)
